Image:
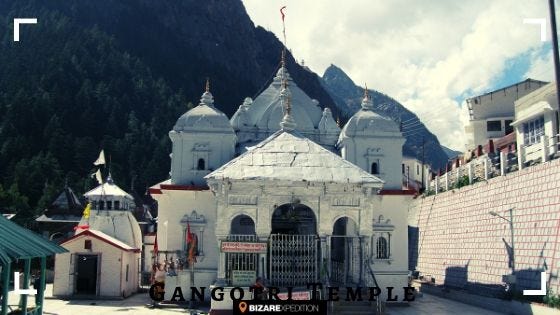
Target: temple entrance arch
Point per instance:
(294, 250)
(242, 225)
(346, 252)
(293, 218)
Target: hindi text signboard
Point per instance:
(243, 247)
(243, 278)
(296, 296)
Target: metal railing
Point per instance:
(371, 281)
(496, 164)
(293, 259)
(240, 261)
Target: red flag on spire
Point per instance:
(282, 12)
(283, 25)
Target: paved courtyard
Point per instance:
(433, 305)
(137, 304)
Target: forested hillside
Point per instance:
(116, 75)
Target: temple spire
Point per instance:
(288, 123)
(283, 71)
(367, 104)
(288, 106)
(207, 98)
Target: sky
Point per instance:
(429, 55)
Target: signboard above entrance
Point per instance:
(243, 247)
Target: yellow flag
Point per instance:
(87, 210)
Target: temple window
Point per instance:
(381, 239)
(374, 168)
(201, 165)
(382, 248)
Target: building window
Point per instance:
(94, 204)
(402, 168)
(117, 204)
(109, 204)
(533, 130)
(126, 273)
(201, 165)
(101, 205)
(494, 125)
(87, 244)
(382, 248)
(509, 128)
(374, 168)
(417, 169)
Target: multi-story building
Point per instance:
(536, 124)
(491, 114)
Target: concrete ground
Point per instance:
(432, 305)
(137, 304)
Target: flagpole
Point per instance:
(192, 281)
(283, 26)
(190, 259)
(283, 59)
(100, 161)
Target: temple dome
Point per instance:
(204, 117)
(118, 224)
(266, 110)
(240, 119)
(327, 123)
(366, 122)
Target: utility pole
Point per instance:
(555, 52)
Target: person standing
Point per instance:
(36, 286)
(259, 290)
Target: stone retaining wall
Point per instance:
(456, 241)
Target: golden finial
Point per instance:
(283, 58)
(366, 92)
(207, 85)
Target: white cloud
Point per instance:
(541, 66)
(424, 54)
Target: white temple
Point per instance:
(280, 192)
(103, 257)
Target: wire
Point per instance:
(267, 82)
(419, 122)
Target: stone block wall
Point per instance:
(455, 240)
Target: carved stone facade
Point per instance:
(313, 201)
